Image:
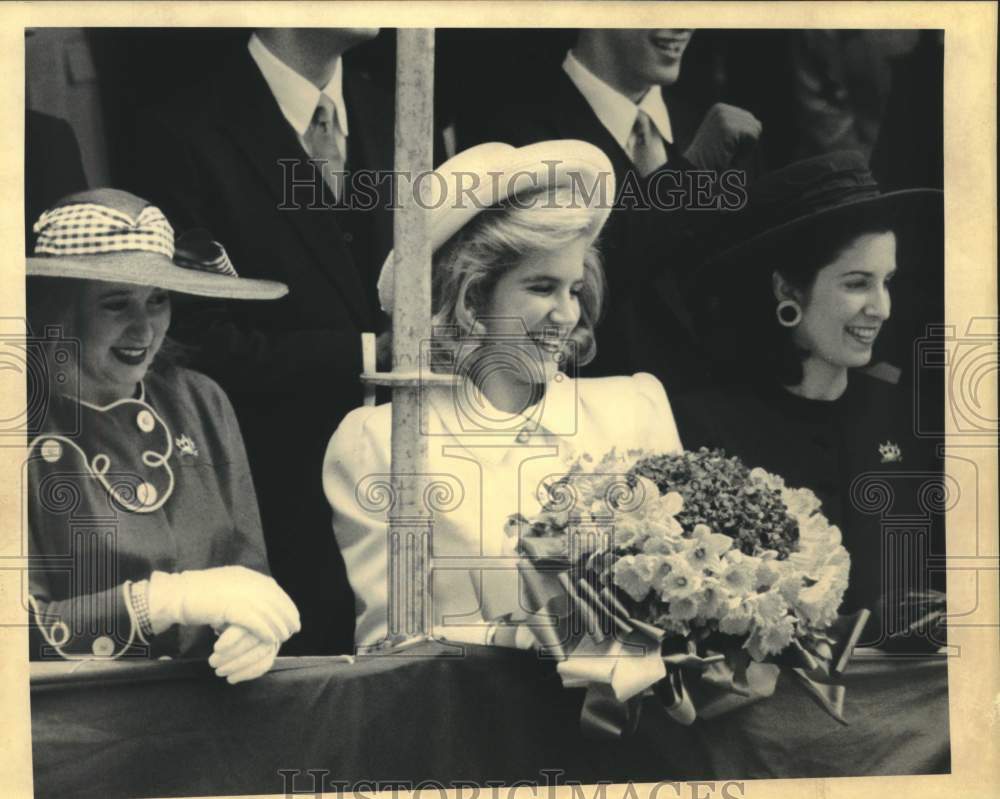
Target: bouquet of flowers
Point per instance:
(717, 565)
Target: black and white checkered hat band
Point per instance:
(213, 259)
(91, 229)
(222, 265)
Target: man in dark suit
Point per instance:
(609, 92)
(237, 157)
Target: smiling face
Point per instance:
(640, 58)
(538, 299)
(121, 328)
(847, 303)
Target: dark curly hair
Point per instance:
(737, 311)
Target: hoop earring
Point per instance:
(789, 313)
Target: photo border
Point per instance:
(970, 297)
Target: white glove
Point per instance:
(240, 655)
(725, 133)
(222, 596)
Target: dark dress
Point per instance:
(879, 480)
(159, 482)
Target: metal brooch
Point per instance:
(186, 445)
(890, 452)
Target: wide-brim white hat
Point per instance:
(484, 176)
(113, 236)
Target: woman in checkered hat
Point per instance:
(143, 530)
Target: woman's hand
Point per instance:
(239, 655)
(223, 596)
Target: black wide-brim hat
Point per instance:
(834, 189)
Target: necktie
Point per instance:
(325, 142)
(646, 148)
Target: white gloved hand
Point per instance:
(725, 133)
(240, 655)
(220, 597)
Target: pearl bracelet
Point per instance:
(139, 597)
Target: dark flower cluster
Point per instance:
(718, 492)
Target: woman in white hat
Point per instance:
(517, 290)
(143, 526)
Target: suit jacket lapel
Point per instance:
(258, 128)
(575, 119)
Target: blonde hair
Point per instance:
(468, 266)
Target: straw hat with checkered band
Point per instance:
(114, 236)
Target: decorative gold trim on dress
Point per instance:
(149, 497)
(57, 635)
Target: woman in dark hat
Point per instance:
(143, 527)
(798, 303)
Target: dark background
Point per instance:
(891, 82)
(753, 69)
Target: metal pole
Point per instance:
(409, 518)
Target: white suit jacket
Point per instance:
(485, 466)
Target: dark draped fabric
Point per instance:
(173, 729)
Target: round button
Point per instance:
(59, 633)
(145, 421)
(146, 493)
(52, 451)
(348, 237)
(103, 647)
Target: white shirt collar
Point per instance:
(296, 96)
(616, 111)
(139, 395)
(556, 415)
